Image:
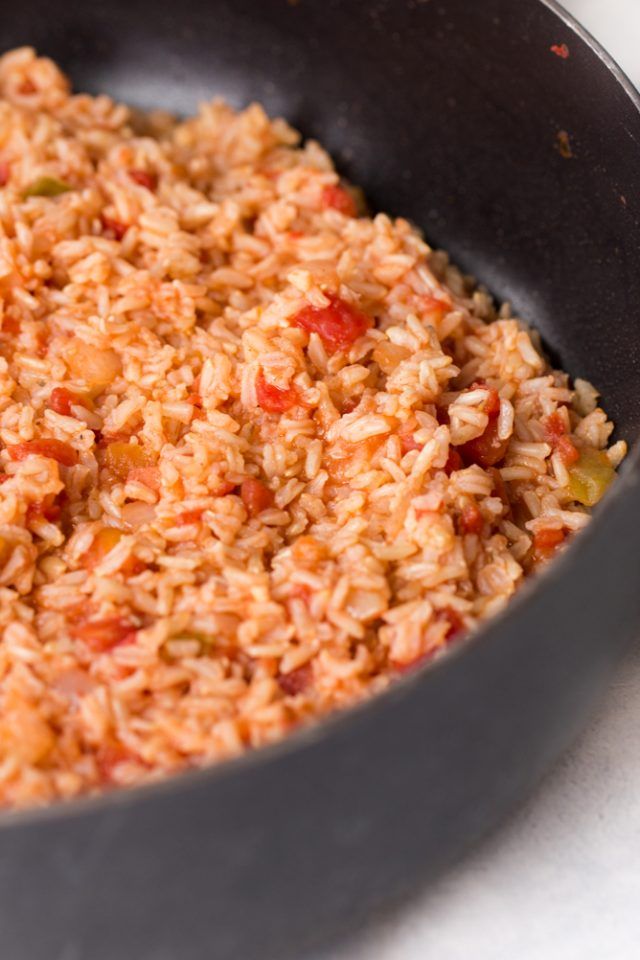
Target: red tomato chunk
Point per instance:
(554, 427)
(408, 442)
(337, 198)
(223, 488)
(102, 635)
(272, 399)
(454, 462)
(349, 405)
(546, 542)
(295, 682)
(492, 403)
(471, 519)
(144, 179)
(115, 227)
(46, 509)
(454, 620)
(110, 757)
(61, 400)
(256, 496)
(54, 449)
(549, 537)
(187, 517)
(436, 308)
(485, 450)
(556, 433)
(567, 451)
(10, 325)
(338, 325)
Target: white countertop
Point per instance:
(561, 879)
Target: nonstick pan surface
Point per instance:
(458, 115)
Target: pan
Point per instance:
(518, 155)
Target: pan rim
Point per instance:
(529, 594)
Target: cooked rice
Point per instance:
(161, 294)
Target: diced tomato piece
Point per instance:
(133, 566)
(560, 49)
(454, 462)
(485, 450)
(61, 400)
(491, 405)
(435, 308)
(554, 427)
(10, 325)
(58, 450)
(442, 414)
(471, 518)
(51, 511)
(567, 450)
(188, 516)
(42, 340)
(144, 178)
(194, 397)
(256, 496)
(455, 621)
(3, 477)
(296, 681)
(111, 756)
(337, 198)
(115, 227)
(548, 537)
(349, 405)
(556, 433)
(223, 488)
(102, 635)
(338, 325)
(46, 509)
(408, 442)
(271, 398)
(149, 476)
(5, 173)
(546, 542)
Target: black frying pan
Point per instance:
(447, 111)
